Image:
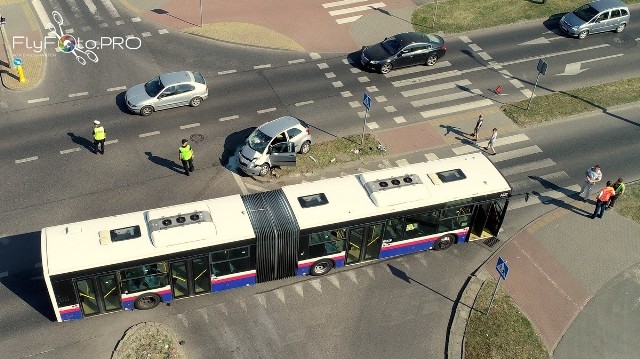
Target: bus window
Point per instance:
(145, 277)
(110, 294)
(230, 261)
(393, 231)
(421, 225)
(326, 243)
(455, 218)
(87, 294)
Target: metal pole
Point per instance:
(363, 125)
(433, 25)
(7, 47)
(494, 294)
(534, 91)
(200, 13)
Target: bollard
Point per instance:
(20, 73)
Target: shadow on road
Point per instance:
(79, 140)
(161, 161)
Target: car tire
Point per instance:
(147, 301)
(444, 242)
(583, 34)
(321, 267)
(431, 60)
(306, 146)
(386, 68)
(195, 102)
(620, 28)
(146, 111)
(264, 169)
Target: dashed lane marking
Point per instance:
(42, 99)
(304, 103)
(135, 19)
(296, 61)
(78, 94)
(146, 34)
(27, 159)
(110, 142)
(434, 88)
(267, 110)
(430, 156)
(521, 152)
(116, 88)
(402, 162)
(475, 47)
(399, 119)
(228, 118)
(531, 58)
(190, 126)
(149, 134)
(163, 31)
(346, 94)
(323, 65)
(261, 66)
(337, 84)
(535, 165)
(227, 72)
(314, 55)
(70, 150)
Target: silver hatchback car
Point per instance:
(166, 91)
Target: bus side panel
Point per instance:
(417, 244)
(71, 312)
(462, 235)
(128, 300)
(231, 281)
(304, 266)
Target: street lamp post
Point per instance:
(200, 13)
(7, 47)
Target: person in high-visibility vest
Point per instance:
(98, 137)
(602, 199)
(185, 153)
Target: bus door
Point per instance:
(98, 295)
(364, 243)
(488, 219)
(190, 277)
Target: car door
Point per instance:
(184, 95)
(405, 56)
(601, 22)
(282, 154)
(294, 135)
(166, 98)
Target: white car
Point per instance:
(166, 91)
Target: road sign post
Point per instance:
(366, 101)
(542, 69)
(503, 270)
(5, 41)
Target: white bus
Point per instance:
(138, 260)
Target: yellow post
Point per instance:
(20, 73)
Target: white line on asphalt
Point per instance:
(42, 14)
(421, 79)
(465, 39)
(530, 182)
(553, 54)
(27, 159)
(42, 99)
(601, 58)
(111, 142)
(110, 8)
(499, 142)
(116, 88)
(296, 61)
(440, 87)
(261, 66)
(163, 31)
(337, 84)
(484, 56)
(341, 3)
(372, 125)
(521, 152)
(135, 19)
(323, 65)
(314, 55)
(354, 104)
(475, 47)
(146, 34)
(267, 110)
(70, 150)
(516, 83)
(78, 94)
(356, 9)
(474, 69)
(457, 108)
(241, 184)
(402, 162)
(544, 197)
(227, 72)
(184, 127)
(411, 70)
(346, 94)
(530, 166)
(330, 75)
(399, 119)
(304, 103)
(431, 156)
(149, 134)
(228, 118)
(444, 98)
(346, 20)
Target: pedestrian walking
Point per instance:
(602, 199)
(492, 141)
(477, 128)
(185, 153)
(593, 175)
(618, 187)
(98, 137)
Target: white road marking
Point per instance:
(354, 104)
(135, 19)
(119, 22)
(267, 110)
(412, 70)
(261, 66)
(304, 103)
(149, 134)
(228, 118)
(421, 79)
(390, 109)
(372, 89)
(356, 9)
(346, 94)
(296, 61)
(110, 8)
(444, 98)
(516, 83)
(337, 84)
(116, 88)
(530, 182)
(323, 65)
(475, 47)
(163, 31)
(399, 119)
(465, 39)
(457, 108)
(110, 142)
(70, 150)
(530, 166)
(341, 3)
(146, 34)
(484, 56)
(346, 20)
(346, 61)
(521, 152)
(103, 25)
(27, 159)
(430, 156)
(42, 99)
(68, 31)
(184, 127)
(355, 70)
(227, 72)
(372, 125)
(314, 55)
(42, 14)
(78, 94)
(363, 79)
(381, 98)
(93, 9)
(330, 75)
(402, 162)
(553, 54)
(439, 87)
(543, 197)
(499, 142)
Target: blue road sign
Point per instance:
(502, 268)
(17, 61)
(366, 101)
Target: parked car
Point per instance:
(406, 49)
(594, 17)
(169, 90)
(274, 143)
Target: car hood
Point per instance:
(571, 19)
(249, 152)
(137, 94)
(375, 52)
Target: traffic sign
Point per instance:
(502, 268)
(366, 101)
(17, 61)
(542, 66)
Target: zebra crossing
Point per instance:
(344, 10)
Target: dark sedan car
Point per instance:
(406, 49)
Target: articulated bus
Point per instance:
(138, 260)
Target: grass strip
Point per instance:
(628, 204)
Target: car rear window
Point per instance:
(199, 79)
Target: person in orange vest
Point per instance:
(602, 199)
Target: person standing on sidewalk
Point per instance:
(98, 137)
(477, 128)
(593, 176)
(619, 188)
(492, 141)
(185, 154)
(602, 199)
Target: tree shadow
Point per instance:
(546, 200)
(161, 161)
(165, 12)
(79, 140)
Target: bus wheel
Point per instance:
(147, 301)
(321, 267)
(444, 242)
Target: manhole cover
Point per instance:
(490, 242)
(195, 138)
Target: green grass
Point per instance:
(560, 104)
(628, 204)
(504, 334)
(334, 152)
(465, 15)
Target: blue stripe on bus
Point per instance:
(224, 284)
(71, 315)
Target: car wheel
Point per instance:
(321, 267)
(264, 169)
(384, 69)
(620, 27)
(583, 34)
(431, 60)
(444, 242)
(146, 111)
(147, 301)
(305, 147)
(195, 102)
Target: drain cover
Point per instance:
(195, 138)
(490, 242)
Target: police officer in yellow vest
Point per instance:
(98, 137)
(186, 157)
